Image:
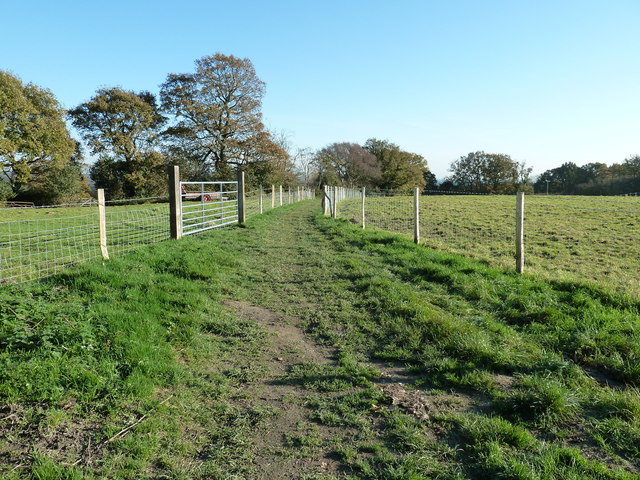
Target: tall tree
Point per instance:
(488, 173)
(33, 134)
(218, 112)
(400, 170)
(60, 183)
(123, 128)
(347, 164)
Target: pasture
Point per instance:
(567, 238)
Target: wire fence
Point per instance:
(262, 199)
(590, 239)
(38, 242)
(130, 225)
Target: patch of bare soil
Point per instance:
(288, 346)
(25, 431)
(403, 391)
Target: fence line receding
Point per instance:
(38, 242)
(592, 239)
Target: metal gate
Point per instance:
(207, 205)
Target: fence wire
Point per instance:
(38, 242)
(43, 242)
(592, 239)
(132, 226)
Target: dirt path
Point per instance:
(287, 346)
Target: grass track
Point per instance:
(543, 376)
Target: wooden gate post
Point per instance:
(102, 216)
(241, 198)
(175, 202)
(416, 215)
(520, 232)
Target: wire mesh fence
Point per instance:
(44, 241)
(38, 242)
(589, 239)
(130, 225)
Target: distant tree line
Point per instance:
(592, 178)
(378, 164)
(480, 172)
(209, 122)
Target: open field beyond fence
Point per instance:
(593, 239)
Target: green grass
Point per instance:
(591, 239)
(513, 368)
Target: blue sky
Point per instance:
(543, 81)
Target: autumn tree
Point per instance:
(33, 134)
(347, 164)
(123, 127)
(400, 170)
(217, 110)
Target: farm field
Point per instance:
(304, 347)
(591, 239)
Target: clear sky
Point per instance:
(543, 81)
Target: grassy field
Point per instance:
(592, 239)
(304, 347)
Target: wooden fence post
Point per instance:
(325, 198)
(102, 215)
(273, 196)
(363, 196)
(260, 200)
(520, 232)
(334, 212)
(175, 203)
(416, 215)
(280, 195)
(241, 198)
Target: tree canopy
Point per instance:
(123, 127)
(347, 164)
(33, 134)
(482, 172)
(218, 118)
(401, 170)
